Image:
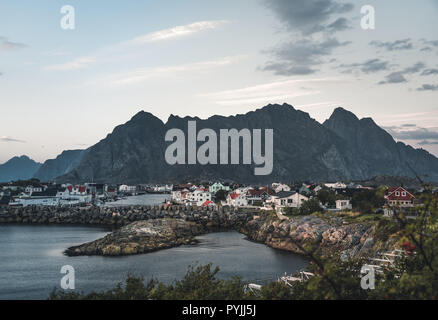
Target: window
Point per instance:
(404, 194)
(397, 193)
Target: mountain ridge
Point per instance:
(18, 168)
(343, 147)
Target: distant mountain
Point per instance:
(343, 148)
(63, 163)
(18, 168)
(376, 151)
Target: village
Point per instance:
(284, 199)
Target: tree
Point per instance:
(310, 206)
(327, 197)
(367, 200)
(221, 195)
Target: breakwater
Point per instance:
(222, 217)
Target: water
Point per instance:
(31, 259)
(145, 199)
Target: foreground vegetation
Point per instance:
(414, 275)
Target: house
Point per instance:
(288, 199)
(180, 195)
(258, 196)
(215, 187)
(337, 185)
(30, 189)
(304, 190)
(127, 189)
(317, 189)
(278, 187)
(235, 199)
(343, 205)
(44, 198)
(208, 203)
(399, 197)
(198, 197)
(110, 191)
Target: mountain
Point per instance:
(343, 148)
(63, 163)
(376, 151)
(18, 168)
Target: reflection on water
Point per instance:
(31, 259)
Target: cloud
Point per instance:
(399, 76)
(394, 77)
(143, 74)
(177, 32)
(404, 44)
(408, 125)
(308, 21)
(428, 72)
(9, 139)
(427, 142)
(301, 57)
(6, 45)
(79, 63)
(415, 133)
(369, 66)
(311, 16)
(433, 43)
(340, 24)
(428, 87)
(274, 92)
(166, 34)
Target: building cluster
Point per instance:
(71, 195)
(276, 196)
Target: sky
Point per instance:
(64, 89)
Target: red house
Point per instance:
(399, 197)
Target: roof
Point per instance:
(234, 195)
(206, 203)
(284, 194)
(392, 194)
(46, 193)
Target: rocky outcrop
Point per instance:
(327, 236)
(141, 237)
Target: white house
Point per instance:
(30, 189)
(278, 187)
(288, 199)
(343, 204)
(236, 199)
(127, 189)
(180, 195)
(337, 185)
(198, 197)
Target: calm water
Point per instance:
(31, 259)
(145, 199)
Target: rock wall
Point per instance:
(223, 217)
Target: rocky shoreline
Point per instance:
(143, 229)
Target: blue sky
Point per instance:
(67, 89)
